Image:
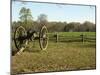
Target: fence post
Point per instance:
(56, 36)
(82, 36)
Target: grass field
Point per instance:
(61, 56)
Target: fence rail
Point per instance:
(71, 38)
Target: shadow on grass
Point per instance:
(70, 41)
(90, 45)
(14, 52)
(32, 50)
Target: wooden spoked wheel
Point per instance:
(20, 38)
(43, 38)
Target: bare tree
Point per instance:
(42, 19)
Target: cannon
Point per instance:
(22, 37)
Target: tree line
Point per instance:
(27, 20)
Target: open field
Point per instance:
(61, 56)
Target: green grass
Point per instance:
(74, 33)
(58, 57)
(77, 33)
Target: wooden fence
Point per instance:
(79, 38)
